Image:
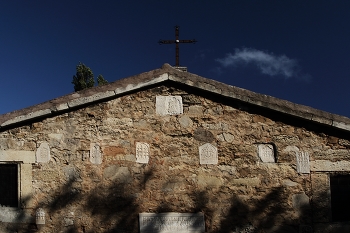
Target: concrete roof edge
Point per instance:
(167, 72)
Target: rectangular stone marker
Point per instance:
(303, 162)
(172, 222)
(208, 154)
(43, 153)
(95, 153)
(142, 152)
(169, 105)
(266, 153)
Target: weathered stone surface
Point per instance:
(185, 121)
(227, 137)
(303, 162)
(329, 166)
(169, 105)
(266, 153)
(95, 153)
(321, 198)
(171, 222)
(208, 154)
(108, 196)
(43, 153)
(122, 174)
(301, 202)
(142, 152)
(203, 135)
(246, 181)
(113, 150)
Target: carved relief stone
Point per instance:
(43, 153)
(266, 153)
(208, 154)
(142, 152)
(40, 216)
(169, 105)
(171, 222)
(95, 153)
(303, 162)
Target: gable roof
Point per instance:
(165, 74)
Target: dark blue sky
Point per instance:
(292, 49)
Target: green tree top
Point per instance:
(101, 80)
(84, 78)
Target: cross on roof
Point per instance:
(177, 41)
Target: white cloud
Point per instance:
(267, 63)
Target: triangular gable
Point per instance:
(166, 74)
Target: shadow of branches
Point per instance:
(116, 208)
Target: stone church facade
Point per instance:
(168, 151)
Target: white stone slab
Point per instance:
(172, 222)
(142, 152)
(169, 105)
(303, 162)
(17, 155)
(95, 153)
(266, 153)
(40, 216)
(208, 154)
(329, 166)
(43, 153)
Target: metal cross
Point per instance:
(176, 42)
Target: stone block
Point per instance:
(28, 116)
(95, 153)
(169, 105)
(43, 153)
(208, 154)
(203, 135)
(329, 166)
(303, 162)
(185, 122)
(321, 199)
(254, 182)
(172, 222)
(301, 203)
(14, 155)
(142, 152)
(266, 153)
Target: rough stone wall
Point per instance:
(240, 191)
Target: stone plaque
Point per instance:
(208, 154)
(266, 153)
(172, 222)
(169, 105)
(142, 152)
(40, 216)
(95, 153)
(43, 153)
(303, 162)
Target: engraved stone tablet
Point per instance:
(169, 105)
(266, 153)
(208, 154)
(43, 153)
(95, 153)
(142, 152)
(303, 162)
(172, 222)
(40, 216)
